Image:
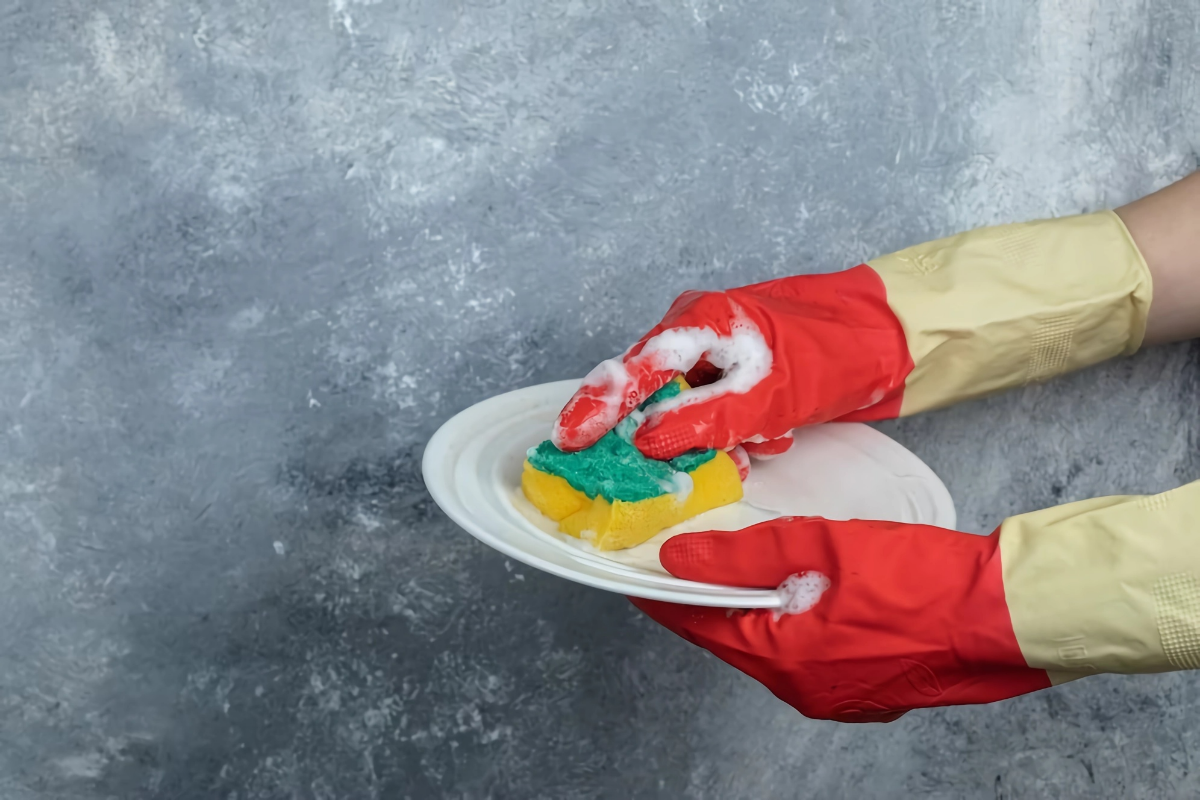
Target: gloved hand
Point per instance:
(915, 616)
(787, 352)
(928, 326)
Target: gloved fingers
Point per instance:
(760, 642)
(614, 388)
(609, 393)
(720, 416)
(738, 631)
(667, 434)
(774, 650)
(695, 426)
(674, 616)
(762, 556)
(703, 329)
(697, 419)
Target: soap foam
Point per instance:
(799, 593)
(681, 486)
(606, 385)
(744, 358)
(628, 426)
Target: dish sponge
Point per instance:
(613, 496)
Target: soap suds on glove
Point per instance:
(744, 358)
(608, 382)
(799, 593)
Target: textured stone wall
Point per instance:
(252, 254)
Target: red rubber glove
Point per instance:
(766, 358)
(913, 617)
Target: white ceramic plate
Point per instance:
(472, 467)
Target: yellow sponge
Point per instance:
(621, 524)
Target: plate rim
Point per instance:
(437, 458)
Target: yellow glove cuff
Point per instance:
(1001, 307)
(1107, 585)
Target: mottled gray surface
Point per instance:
(253, 254)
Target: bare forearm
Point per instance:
(1166, 228)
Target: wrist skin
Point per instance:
(1166, 228)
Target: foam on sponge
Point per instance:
(615, 497)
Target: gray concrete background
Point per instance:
(252, 255)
